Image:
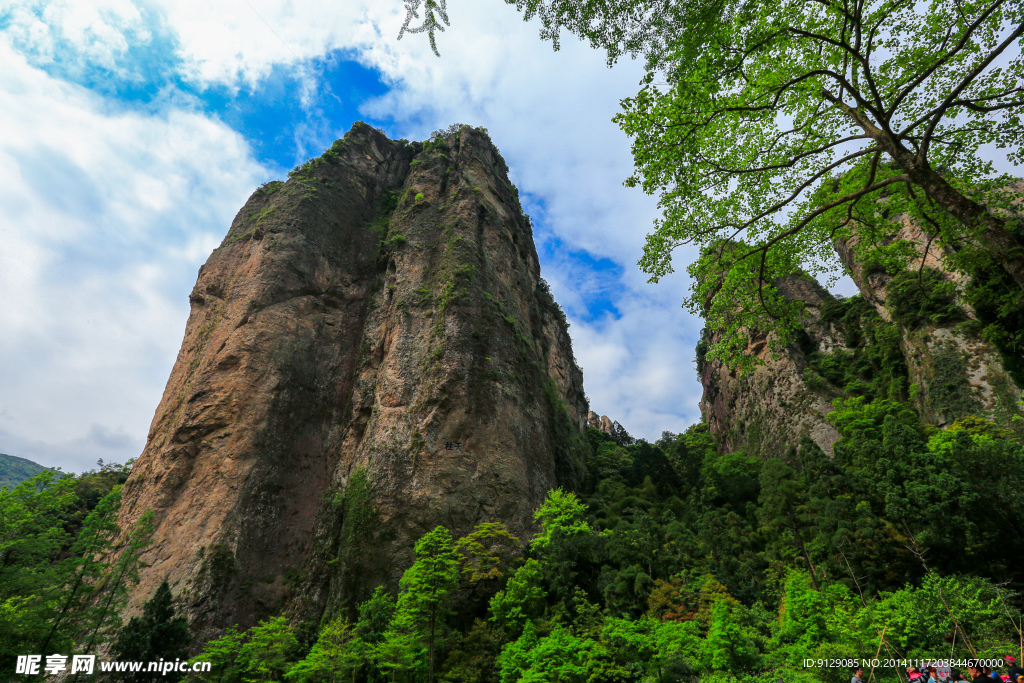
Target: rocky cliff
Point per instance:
(946, 341)
(370, 352)
(765, 410)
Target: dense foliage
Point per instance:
(672, 562)
(60, 590)
(678, 563)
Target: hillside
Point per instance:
(14, 470)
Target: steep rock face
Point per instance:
(371, 352)
(772, 406)
(941, 363)
(953, 370)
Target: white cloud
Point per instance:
(79, 34)
(638, 368)
(105, 217)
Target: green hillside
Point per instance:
(14, 470)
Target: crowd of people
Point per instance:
(974, 672)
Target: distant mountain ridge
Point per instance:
(14, 470)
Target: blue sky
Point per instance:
(131, 131)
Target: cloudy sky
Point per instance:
(131, 131)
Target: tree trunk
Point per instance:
(803, 550)
(430, 648)
(991, 230)
(63, 611)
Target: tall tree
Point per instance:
(32, 536)
(426, 591)
(80, 572)
(798, 118)
(786, 123)
(125, 572)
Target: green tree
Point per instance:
(124, 572)
(270, 648)
(789, 122)
(622, 651)
(562, 512)
(802, 617)
(426, 591)
(374, 616)
(79, 575)
(222, 654)
(784, 513)
(157, 634)
(793, 119)
(337, 652)
(487, 551)
(397, 651)
(560, 656)
(728, 647)
(473, 657)
(522, 599)
(32, 535)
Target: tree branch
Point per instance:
(903, 94)
(964, 82)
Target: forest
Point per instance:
(672, 563)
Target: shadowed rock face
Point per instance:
(370, 353)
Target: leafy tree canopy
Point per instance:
(803, 122)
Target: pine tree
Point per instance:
(157, 634)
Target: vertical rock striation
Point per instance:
(370, 352)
